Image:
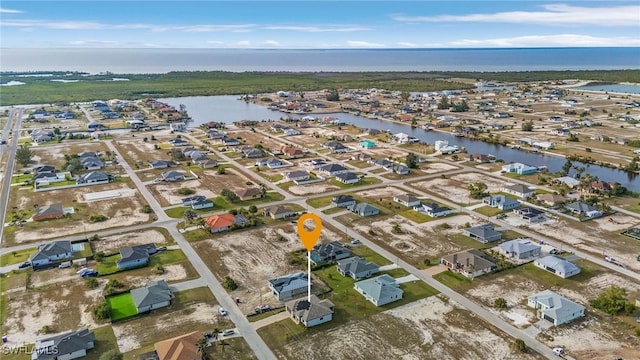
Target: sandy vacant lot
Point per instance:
(316, 188)
(381, 192)
(430, 329)
(252, 257)
(172, 273)
(435, 167)
(112, 243)
(454, 188)
(28, 311)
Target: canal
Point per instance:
(228, 109)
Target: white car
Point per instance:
(558, 351)
(228, 332)
(223, 312)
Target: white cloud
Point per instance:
(408, 44)
(94, 43)
(89, 25)
(363, 44)
(316, 29)
(559, 40)
(244, 43)
(554, 14)
(10, 11)
(271, 43)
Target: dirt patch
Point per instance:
(173, 272)
(167, 194)
(454, 188)
(113, 243)
(383, 192)
(317, 188)
(430, 328)
(435, 167)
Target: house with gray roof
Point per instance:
(470, 263)
(47, 212)
(555, 308)
(519, 190)
(278, 212)
(558, 266)
(296, 175)
(329, 252)
(51, 252)
(155, 295)
(380, 290)
(364, 209)
(532, 215)
(310, 313)
(357, 268)
(501, 202)
(290, 286)
(252, 153)
(348, 178)
(520, 249)
(94, 177)
(172, 175)
(343, 201)
(67, 346)
(583, 209)
(484, 233)
(333, 169)
(160, 164)
(433, 209)
(135, 256)
(407, 200)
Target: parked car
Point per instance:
(355, 242)
(162, 248)
(228, 332)
(263, 308)
(64, 265)
(91, 273)
(25, 264)
(558, 351)
(223, 312)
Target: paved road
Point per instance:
(15, 117)
(188, 285)
(153, 203)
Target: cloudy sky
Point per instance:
(304, 24)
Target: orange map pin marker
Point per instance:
(309, 238)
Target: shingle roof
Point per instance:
(155, 292)
(64, 344)
(557, 307)
(523, 189)
(49, 210)
(183, 347)
(289, 282)
(133, 253)
(306, 311)
(383, 286)
(52, 249)
(518, 246)
(484, 231)
(356, 265)
(347, 176)
(408, 198)
(559, 264)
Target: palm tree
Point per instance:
(202, 348)
(222, 344)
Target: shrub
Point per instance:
(229, 283)
(111, 355)
(519, 345)
(221, 171)
(45, 329)
(99, 256)
(146, 209)
(102, 310)
(500, 303)
(612, 300)
(91, 282)
(98, 218)
(158, 269)
(186, 191)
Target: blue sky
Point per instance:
(318, 24)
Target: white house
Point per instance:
(310, 313)
(555, 308)
(407, 200)
(557, 265)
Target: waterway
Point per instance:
(228, 109)
(614, 88)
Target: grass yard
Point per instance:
(16, 257)
(320, 201)
(369, 255)
(198, 234)
(363, 182)
(453, 280)
(489, 211)
(122, 306)
(108, 265)
(221, 203)
(415, 216)
(105, 341)
(359, 164)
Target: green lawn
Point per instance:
(221, 203)
(333, 210)
(178, 211)
(198, 234)
(105, 341)
(415, 216)
(16, 179)
(16, 257)
(167, 257)
(86, 250)
(108, 265)
(359, 164)
(364, 181)
(369, 255)
(489, 211)
(453, 280)
(320, 201)
(468, 243)
(122, 306)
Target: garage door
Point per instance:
(549, 318)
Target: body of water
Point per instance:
(228, 109)
(615, 88)
(139, 61)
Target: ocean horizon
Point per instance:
(140, 61)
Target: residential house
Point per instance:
(555, 308)
(310, 312)
(203, 204)
(189, 201)
(519, 168)
(67, 346)
(367, 144)
(357, 268)
(290, 286)
(520, 249)
(558, 266)
(292, 152)
(291, 132)
(519, 190)
(433, 209)
(333, 169)
(317, 163)
(248, 194)
(544, 145)
(94, 177)
(344, 201)
(560, 132)
(178, 142)
(400, 169)
(91, 163)
(335, 147)
(51, 252)
(380, 290)
(44, 169)
(183, 347)
(93, 126)
(44, 178)
(583, 209)
(172, 175)
(252, 153)
(470, 263)
(223, 222)
(361, 157)
(135, 256)
(48, 212)
(178, 126)
(530, 214)
(601, 187)
(484, 233)
(482, 158)
(296, 175)
(329, 252)
(160, 164)
(551, 199)
(348, 178)
(568, 180)
(207, 163)
(407, 200)
(501, 202)
(364, 209)
(227, 141)
(155, 295)
(279, 212)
